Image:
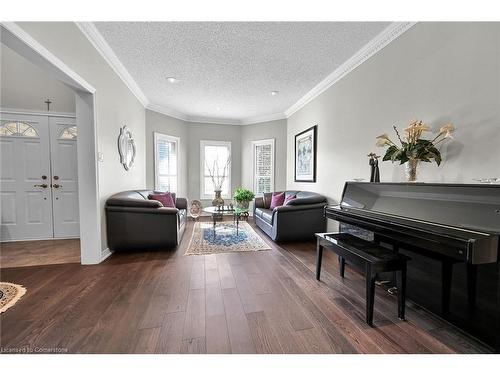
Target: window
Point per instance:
(215, 167)
(166, 162)
(18, 129)
(68, 132)
(263, 166)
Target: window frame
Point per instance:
(262, 142)
(169, 138)
(204, 143)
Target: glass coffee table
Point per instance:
(218, 215)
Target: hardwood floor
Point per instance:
(38, 253)
(259, 302)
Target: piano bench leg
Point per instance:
(370, 294)
(342, 266)
(319, 258)
(401, 283)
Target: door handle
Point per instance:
(45, 186)
(56, 186)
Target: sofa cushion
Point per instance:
(165, 199)
(267, 215)
(258, 211)
(277, 200)
(288, 198)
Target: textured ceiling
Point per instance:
(227, 70)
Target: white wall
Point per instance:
(25, 86)
(115, 106)
(157, 122)
(437, 72)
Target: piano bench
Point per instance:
(370, 258)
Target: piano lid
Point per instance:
(459, 205)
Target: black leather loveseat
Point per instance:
(134, 222)
(299, 219)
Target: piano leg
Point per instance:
(370, 293)
(471, 284)
(401, 285)
(446, 274)
(319, 258)
(342, 267)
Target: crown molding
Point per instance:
(393, 31)
(167, 111)
(100, 44)
(213, 120)
(265, 118)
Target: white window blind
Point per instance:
(166, 150)
(214, 156)
(263, 166)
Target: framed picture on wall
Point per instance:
(305, 155)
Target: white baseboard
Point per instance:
(105, 253)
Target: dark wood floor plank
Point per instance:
(194, 325)
(262, 333)
(170, 336)
(217, 337)
(237, 324)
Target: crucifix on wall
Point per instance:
(48, 102)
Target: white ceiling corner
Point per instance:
(393, 31)
(100, 44)
(230, 46)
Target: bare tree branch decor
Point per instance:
(215, 174)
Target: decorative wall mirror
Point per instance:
(126, 148)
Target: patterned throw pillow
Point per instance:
(165, 199)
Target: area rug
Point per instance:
(9, 295)
(224, 239)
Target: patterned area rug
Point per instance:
(9, 295)
(224, 239)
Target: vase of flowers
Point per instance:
(243, 197)
(413, 149)
(218, 176)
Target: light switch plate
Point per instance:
(100, 157)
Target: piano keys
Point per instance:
(451, 232)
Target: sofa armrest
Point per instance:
(143, 210)
(130, 202)
(181, 203)
(301, 207)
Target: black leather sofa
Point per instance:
(298, 220)
(134, 222)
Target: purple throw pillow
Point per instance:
(289, 198)
(165, 199)
(277, 200)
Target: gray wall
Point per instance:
(156, 122)
(241, 138)
(25, 86)
(115, 106)
(437, 72)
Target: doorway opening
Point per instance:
(50, 192)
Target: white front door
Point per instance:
(64, 176)
(26, 196)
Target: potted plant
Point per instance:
(413, 148)
(243, 197)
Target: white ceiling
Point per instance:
(226, 71)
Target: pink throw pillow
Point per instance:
(165, 199)
(289, 198)
(277, 200)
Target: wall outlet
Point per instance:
(100, 157)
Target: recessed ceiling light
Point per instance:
(274, 93)
(172, 79)
(218, 108)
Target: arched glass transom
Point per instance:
(69, 132)
(18, 129)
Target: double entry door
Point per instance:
(38, 177)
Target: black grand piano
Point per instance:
(451, 232)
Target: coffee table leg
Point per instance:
(237, 223)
